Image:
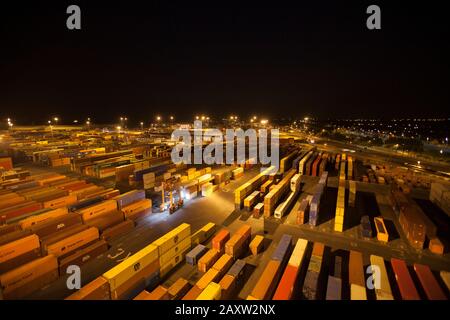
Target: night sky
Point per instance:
(276, 59)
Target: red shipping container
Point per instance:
(17, 212)
(405, 283)
(286, 286)
(429, 282)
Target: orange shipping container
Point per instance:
(218, 242)
(159, 293)
(144, 295)
(267, 282)
(193, 293)
(436, 246)
(12, 201)
(106, 220)
(208, 259)
(245, 230)
(178, 289)
(356, 269)
(137, 208)
(26, 279)
(43, 217)
(228, 284)
(6, 163)
(60, 202)
(257, 245)
(73, 242)
(236, 245)
(16, 248)
(210, 276)
(223, 264)
(98, 209)
(97, 289)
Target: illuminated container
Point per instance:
(211, 292)
(98, 289)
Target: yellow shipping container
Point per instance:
(298, 253)
(173, 263)
(357, 292)
(129, 267)
(209, 276)
(182, 246)
(223, 264)
(170, 239)
(204, 233)
(211, 292)
(208, 259)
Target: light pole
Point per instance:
(51, 128)
(142, 126)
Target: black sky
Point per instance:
(278, 59)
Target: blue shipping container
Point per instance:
(237, 269)
(282, 250)
(195, 254)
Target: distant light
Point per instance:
(75, 121)
(196, 117)
(126, 119)
(306, 119)
(142, 123)
(207, 118)
(9, 119)
(264, 121)
(55, 118)
(118, 127)
(121, 118)
(171, 117)
(203, 117)
(442, 151)
(88, 122)
(49, 121)
(418, 162)
(231, 117)
(254, 117)
(158, 118)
